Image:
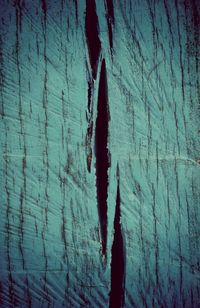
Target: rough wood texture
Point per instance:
(75, 205)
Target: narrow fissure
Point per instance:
(118, 257)
(102, 154)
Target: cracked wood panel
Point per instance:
(99, 153)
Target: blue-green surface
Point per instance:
(50, 239)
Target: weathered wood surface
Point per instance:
(99, 153)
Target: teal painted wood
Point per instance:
(56, 243)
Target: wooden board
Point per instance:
(100, 153)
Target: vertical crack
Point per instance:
(118, 257)
(89, 115)
(63, 232)
(94, 49)
(110, 21)
(76, 11)
(92, 35)
(102, 154)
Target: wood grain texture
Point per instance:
(51, 228)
